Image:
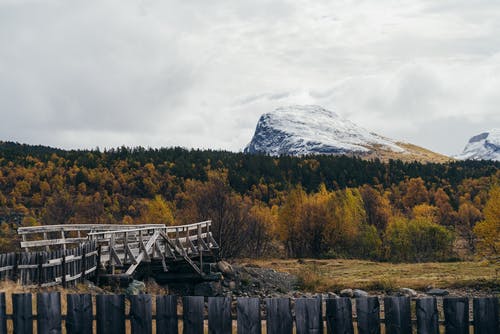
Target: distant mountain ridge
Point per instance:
(484, 146)
(310, 129)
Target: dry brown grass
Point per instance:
(334, 275)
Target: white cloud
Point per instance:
(199, 73)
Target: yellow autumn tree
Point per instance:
(156, 211)
(488, 230)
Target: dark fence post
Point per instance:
(15, 269)
(3, 315)
(456, 315)
(427, 316)
(219, 315)
(110, 314)
(22, 313)
(141, 315)
(48, 307)
(339, 316)
(166, 314)
(192, 314)
(279, 316)
(368, 314)
(248, 316)
(79, 316)
(308, 317)
(63, 268)
(485, 315)
(397, 315)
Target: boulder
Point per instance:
(360, 293)
(225, 268)
(408, 292)
(437, 292)
(135, 287)
(347, 293)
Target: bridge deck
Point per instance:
(122, 248)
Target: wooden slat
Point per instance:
(23, 313)
(79, 316)
(110, 314)
(308, 317)
(141, 314)
(279, 316)
(49, 313)
(368, 312)
(144, 253)
(486, 315)
(219, 315)
(248, 314)
(192, 314)
(456, 315)
(397, 315)
(3, 314)
(166, 314)
(427, 316)
(339, 316)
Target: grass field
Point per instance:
(333, 275)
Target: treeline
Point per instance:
(260, 205)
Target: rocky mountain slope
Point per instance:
(310, 129)
(484, 146)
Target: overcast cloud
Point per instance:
(87, 73)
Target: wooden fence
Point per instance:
(218, 315)
(64, 266)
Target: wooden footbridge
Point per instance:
(165, 252)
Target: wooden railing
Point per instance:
(60, 267)
(250, 316)
(122, 248)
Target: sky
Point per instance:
(198, 73)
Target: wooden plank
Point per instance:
(3, 314)
(279, 316)
(52, 242)
(427, 316)
(192, 314)
(368, 312)
(22, 313)
(219, 315)
(166, 314)
(143, 254)
(308, 316)
(48, 306)
(141, 316)
(110, 314)
(397, 315)
(485, 315)
(339, 316)
(79, 316)
(456, 315)
(248, 315)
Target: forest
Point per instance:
(262, 206)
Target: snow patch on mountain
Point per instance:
(484, 146)
(310, 129)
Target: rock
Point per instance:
(135, 287)
(225, 268)
(408, 292)
(360, 293)
(347, 293)
(232, 285)
(437, 292)
(208, 289)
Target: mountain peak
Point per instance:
(484, 146)
(311, 129)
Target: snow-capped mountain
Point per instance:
(484, 146)
(310, 129)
